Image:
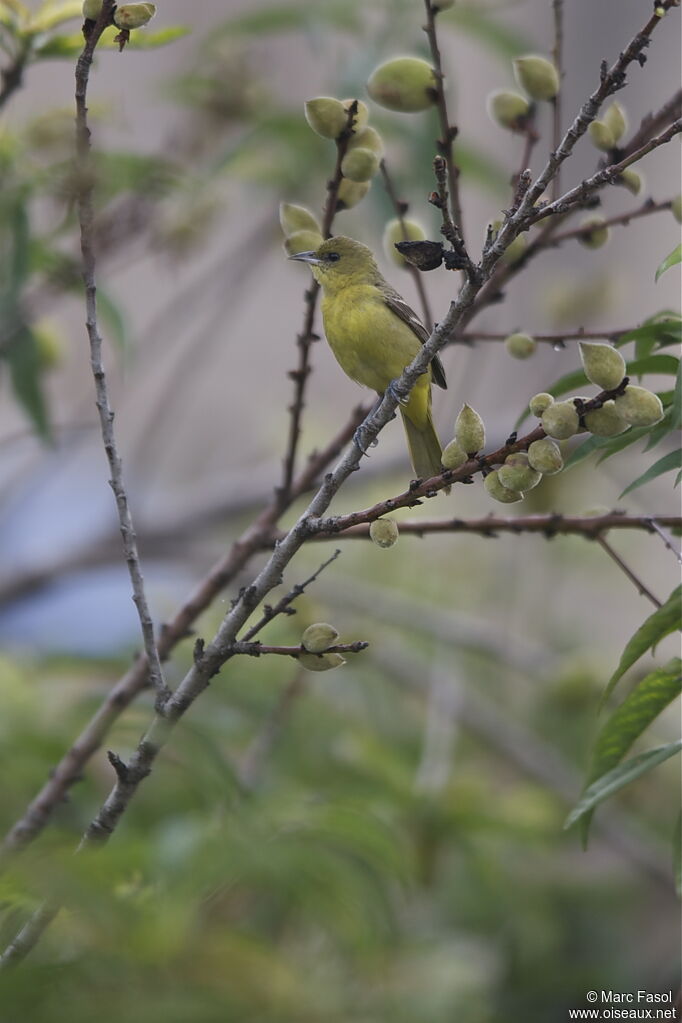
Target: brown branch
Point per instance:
(307, 336)
(656, 525)
(606, 176)
(448, 132)
(547, 525)
(558, 56)
(642, 589)
(70, 768)
(401, 208)
(12, 76)
(86, 217)
(578, 335)
(623, 219)
(652, 124)
(256, 649)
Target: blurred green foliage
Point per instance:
(313, 848)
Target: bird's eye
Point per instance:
(333, 257)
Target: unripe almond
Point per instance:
(321, 662)
(297, 218)
(601, 136)
(537, 76)
(630, 179)
(520, 346)
(367, 138)
(545, 456)
(539, 403)
(498, 492)
(130, 16)
(351, 193)
(616, 121)
(639, 407)
(360, 164)
(326, 116)
(361, 114)
(384, 532)
(397, 231)
(604, 366)
(303, 241)
(319, 637)
(605, 421)
(91, 9)
(470, 430)
(517, 473)
(509, 109)
(561, 420)
(404, 84)
(598, 236)
(453, 455)
(677, 208)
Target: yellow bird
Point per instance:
(374, 335)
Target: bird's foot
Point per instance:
(392, 389)
(361, 443)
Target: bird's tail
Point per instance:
(424, 447)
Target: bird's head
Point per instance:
(339, 262)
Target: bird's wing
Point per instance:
(400, 307)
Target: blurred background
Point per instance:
(384, 841)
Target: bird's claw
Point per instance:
(361, 443)
(392, 389)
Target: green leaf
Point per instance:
(619, 777)
(635, 714)
(673, 259)
(71, 45)
(22, 355)
(676, 411)
(662, 330)
(657, 363)
(59, 46)
(658, 625)
(673, 460)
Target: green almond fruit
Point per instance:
(538, 76)
(403, 84)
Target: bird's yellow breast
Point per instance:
(372, 345)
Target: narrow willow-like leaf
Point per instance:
(635, 714)
(673, 259)
(658, 625)
(673, 460)
(619, 777)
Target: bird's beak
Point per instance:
(307, 257)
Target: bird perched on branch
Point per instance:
(374, 335)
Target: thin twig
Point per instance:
(448, 131)
(558, 55)
(546, 525)
(623, 219)
(653, 123)
(283, 606)
(401, 209)
(577, 335)
(86, 217)
(656, 524)
(628, 571)
(606, 176)
(70, 768)
(307, 336)
(256, 649)
(12, 76)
